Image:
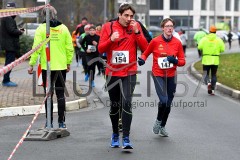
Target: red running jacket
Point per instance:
(128, 41)
(160, 48)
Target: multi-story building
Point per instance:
(142, 8)
(196, 13)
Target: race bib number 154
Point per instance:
(120, 57)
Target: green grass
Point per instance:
(2, 60)
(228, 70)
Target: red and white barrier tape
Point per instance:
(26, 132)
(17, 11)
(18, 61)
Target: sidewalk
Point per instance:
(23, 100)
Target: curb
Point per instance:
(220, 87)
(30, 110)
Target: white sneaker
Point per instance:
(163, 132)
(156, 127)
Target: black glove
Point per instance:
(172, 59)
(140, 61)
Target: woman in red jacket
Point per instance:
(119, 40)
(167, 55)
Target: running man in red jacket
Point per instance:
(167, 55)
(119, 39)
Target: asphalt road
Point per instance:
(201, 127)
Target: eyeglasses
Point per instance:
(169, 26)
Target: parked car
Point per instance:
(30, 28)
(155, 30)
(223, 35)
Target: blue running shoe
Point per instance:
(126, 143)
(62, 125)
(93, 84)
(86, 77)
(9, 84)
(115, 141)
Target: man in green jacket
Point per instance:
(197, 37)
(211, 47)
(61, 54)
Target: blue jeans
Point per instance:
(165, 88)
(10, 57)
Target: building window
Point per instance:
(155, 20)
(141, 2)
(121, 1)
(212, 5)
(235, 24)
(141, 17)
(183, 20)
(203, 22)
(203, 5)
(181, 4)
(236, 5)
(228, 5)
(156, 4)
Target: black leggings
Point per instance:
(120, 90)
(58, 79)
(206, 70)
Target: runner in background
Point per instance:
(82, 51)
(76, 49)
(99, 63)
(211, 46)
(89, 44)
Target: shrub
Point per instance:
(26, 43)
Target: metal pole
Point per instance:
(105, 11)
(48, 88)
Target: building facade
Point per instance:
(142, 8)
(197, 13)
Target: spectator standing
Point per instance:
(10, 42)
(61, 54)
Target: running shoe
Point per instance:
(163, 132)
(209, 87)
(126, 143)
(156, 127)
(115, 141)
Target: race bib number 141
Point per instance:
(120, 57)
(164, 63)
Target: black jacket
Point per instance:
(10, 34)
(87, 40)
